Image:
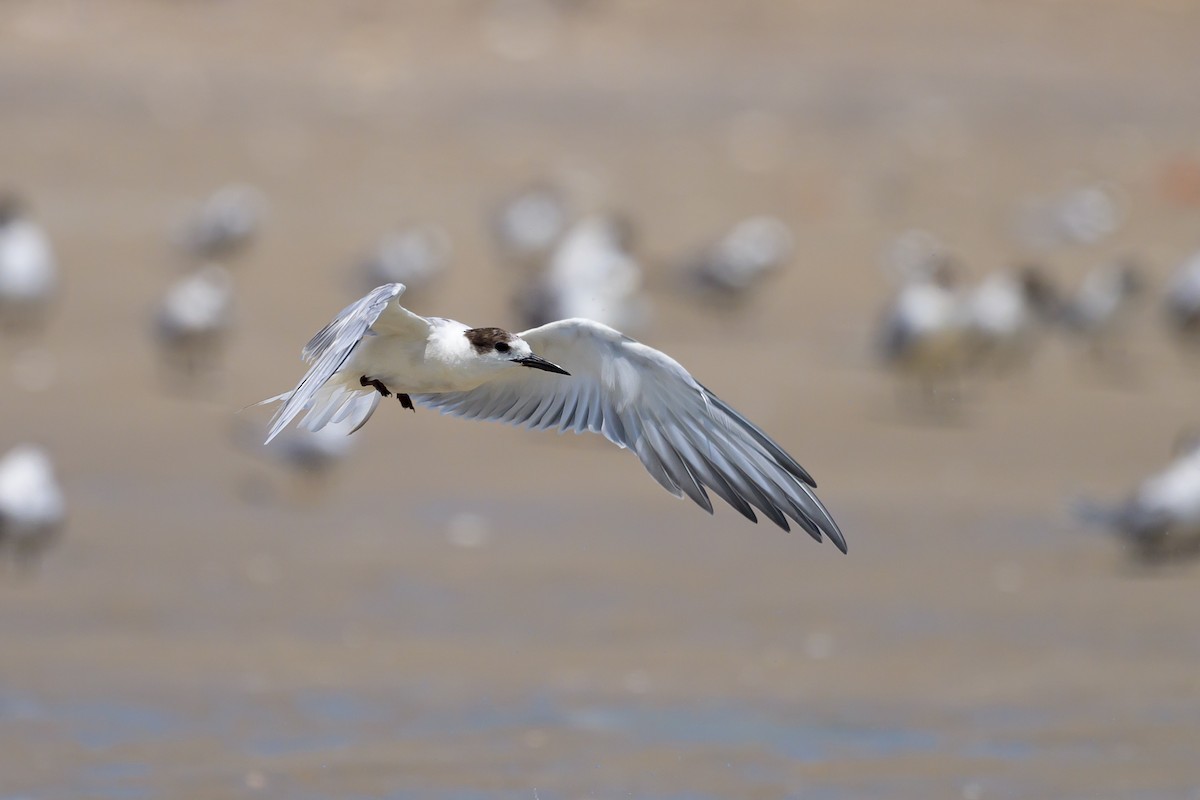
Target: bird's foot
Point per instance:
(406, 401)
(378, 384)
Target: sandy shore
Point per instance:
(205, 630)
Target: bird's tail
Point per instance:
(276, 399)
(335, 401)
(1091, 512)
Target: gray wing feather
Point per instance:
(327, 351)
(688, 439)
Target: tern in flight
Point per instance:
(574, 374)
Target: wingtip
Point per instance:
(835, 534)
(272, 433)
(275, 428)
(393, 290)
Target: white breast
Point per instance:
(30, 498)
(1175, 493)
(445, 362)
(1184, 291)
(27, 268)
(997, 307)
(926, 308)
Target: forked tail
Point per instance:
(335, 401)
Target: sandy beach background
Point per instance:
(472, 611)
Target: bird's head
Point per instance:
(504, 349)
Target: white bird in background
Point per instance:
(1182, 302)
(194, 318)
(572, 374)
(32, 508)
(593, 275)
(1003, 314)
(1100, 310)
(28, 271)
(754, 249)
(1102, 298)
(225, 224)
(527, 225)
(1161, 519)
(310, 458)
(314, 453)
(923, 333)
(414, 256)
(1082, 215)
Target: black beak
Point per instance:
(537, 362)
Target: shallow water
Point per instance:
(751, 745)
(757, 744)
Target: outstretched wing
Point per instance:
(640, 398)
(381, 312)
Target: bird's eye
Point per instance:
(501, 347)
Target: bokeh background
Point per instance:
(462, 610)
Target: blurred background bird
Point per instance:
(527, 224)
(224, 225)
(415, 255)
(1160, 520)
(32, 507)
(193, 321)
(729, 270)
(1099, 312)
(309, 459)
(923, 335)
(28, 270)
(1181, 303)
(593, 274)
(1005, 315)
(1082, 215)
